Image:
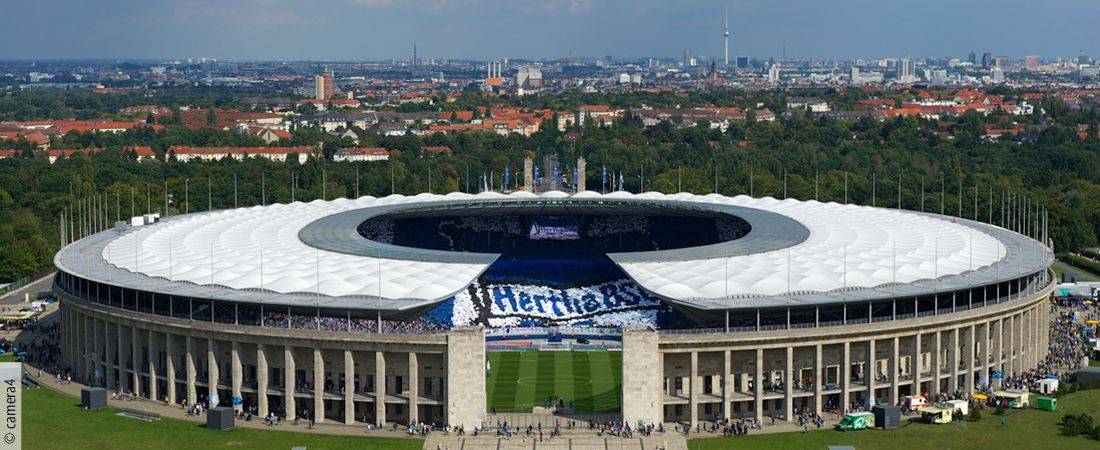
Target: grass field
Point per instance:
(1024, 429)
(55, 421)
(521, 380)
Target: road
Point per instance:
(17, 295)
(1073, 272)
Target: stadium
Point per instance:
(648, 307)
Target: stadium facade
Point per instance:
(376, 309)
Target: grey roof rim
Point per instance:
(1025, 256)
(339, 232)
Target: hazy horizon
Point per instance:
(377, 30)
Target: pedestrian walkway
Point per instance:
(569, 440)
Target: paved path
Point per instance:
(1074, 272)
(17, 296)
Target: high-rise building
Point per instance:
(726, 40)
(1082, 58)
(323, 87)
(972, 57)
(853, 74)
(1031, 62)
(773, 73)
(997, 74)
(999, 62)
(906, 73)
(529, 77)
(742, 62)
(987, 60)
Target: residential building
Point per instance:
(361, 154)
(186, 153)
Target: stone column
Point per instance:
(289, 383)
(817, 379)
(870, 370)
(1010, 349)
(192, 395)
(916, 364)
(758, 385)
(1032, 336)
(170, 367)
(788, 385)
(89, 339)
(953, 358)
(465, 395)
(998, 349)
(1019, 341)
(693, 390)
(120, 360)
(1024, 338)
(212, 369)
(151, 354)
(380, 385)
(895, 371)
(349, 388)
(937, 351)
(237, 374)
(414, 388)
(261, 380)
(318, 385)
(1044, 329)
(727, 390)
(108, 357)
(846, 378)
(983, 348)
(135, 360)
(970, 335)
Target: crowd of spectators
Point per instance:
(1068, 344)
(277, 319)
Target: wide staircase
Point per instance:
(569, 440)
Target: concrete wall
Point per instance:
(641, 376)
(466, 399)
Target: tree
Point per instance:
(211, 117)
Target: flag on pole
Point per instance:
(603, 178)
(506, 176)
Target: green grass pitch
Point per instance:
(521, 380)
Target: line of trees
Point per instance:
(804, 157)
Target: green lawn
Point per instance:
(55, 421)
(521, 380)
(1025, 429)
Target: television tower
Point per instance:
(726, 39)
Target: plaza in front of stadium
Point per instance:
(640, 309)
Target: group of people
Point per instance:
(735, 427)
(1068, 345)
(275, 319)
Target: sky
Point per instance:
(542, 29)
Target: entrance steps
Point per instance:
(572, 440)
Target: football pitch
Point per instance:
(521, 380)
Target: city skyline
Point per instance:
(357, 30)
